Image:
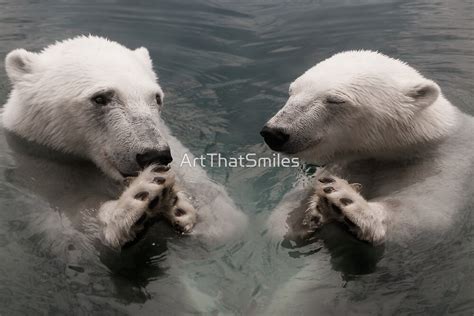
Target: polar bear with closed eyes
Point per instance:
(397, 155)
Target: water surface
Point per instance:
(225, 67)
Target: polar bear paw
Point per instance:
(152, 193)
(337, 199)
(314, 216)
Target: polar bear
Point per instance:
(82, 117)
(397, 155)
(92, 99)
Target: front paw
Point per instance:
(313, 218)
(320, 210)
(124, 218)
(349, 207)
(172, 204)
(339, 196)
(182, 215)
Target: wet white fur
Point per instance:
(381, 115)
(390, 129)
(50, 104)
(50, 100)
(118, 218)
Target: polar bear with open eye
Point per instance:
(93, 99)
(397, 155)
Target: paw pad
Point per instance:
(142, 196)
(179, 212)
(346, 201)
(159, 180)
(326, 180)
(160, 168)
(329, 190)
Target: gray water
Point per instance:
(225, 67)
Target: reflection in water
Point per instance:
(225, 67)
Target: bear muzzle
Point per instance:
(154, 156)
(275, 137)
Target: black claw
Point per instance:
(159, 180)
(161, 168)
(154, 203)
(326, 180)
(141, 196)
(329, 190)
(346, 201)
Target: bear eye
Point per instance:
(102, 98)
(159, 100)
(335, 100)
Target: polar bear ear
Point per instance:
(144, 56)
(18, 63)
(424, 93)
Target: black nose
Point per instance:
(153, 156)
(274, 137)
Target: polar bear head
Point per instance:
(358, 104)
(90, 97)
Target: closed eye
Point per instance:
(335, 100)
